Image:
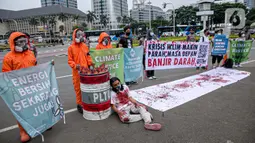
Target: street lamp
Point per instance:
(204, 10)
(164, 6)
(149, 3)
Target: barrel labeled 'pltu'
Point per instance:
(96, 98)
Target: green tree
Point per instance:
(250, 17)
(44, 20)
(62, 17)
(75, 18)
(219, 10)
(52, 22)
(75, 27)
(118, 19)
(104, 20)
(61, 28)
(91, 17)
(34, 22)
(160, 18)
(125, 19)
(186, 14)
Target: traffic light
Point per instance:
(164, 5)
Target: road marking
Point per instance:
(16, 126)
(8, 128)
(46, 51)
(54, 51)
(251, 61)
(64, 76)
(74, 109)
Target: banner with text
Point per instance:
(32, 95)
(240, 50)
(133, 66)
(113, 59)
(170, 55)
(220, 45)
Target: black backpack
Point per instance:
(228, 64)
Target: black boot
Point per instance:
(79, 109)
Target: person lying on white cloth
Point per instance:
(123, 104)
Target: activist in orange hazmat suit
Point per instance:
(19, 57)
(78, 56)
(104, 41)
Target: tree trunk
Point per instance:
(90, 25)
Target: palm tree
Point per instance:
(104, 20)
(91, 16)
(118, 19)
(125, 19)
(52, 22)
(160, 18)
(75, 18)
(44, 21)
(84, 25)
(61, 28)
(62, 17)
(34, 22)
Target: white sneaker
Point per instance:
(150, 78)
(214, 67)
(240, 66)
(154, 77)
(235, 66)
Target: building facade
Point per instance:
(142, 15)
(230, 1)
(20, 20)
(65, 3)
(250, 3)
(112, 9)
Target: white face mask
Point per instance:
(243, 35)
(20, 49)
(151, 33)
(79, 40)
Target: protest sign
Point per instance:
(113, 59)
(240, 50)
(32, 95)
(220, 45)
(170, 55)
(133, 66)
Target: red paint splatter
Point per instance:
(204, 77)
(163, 96)
(183, 85)
(244, 73)
(199, 84)
(220, 80)
(123, 97)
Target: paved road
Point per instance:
(45, 52)
(227, 114)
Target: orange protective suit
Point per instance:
(15, 61)
(100, 45)
(78, 54)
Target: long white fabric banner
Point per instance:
(170, 95)
(169, 55)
